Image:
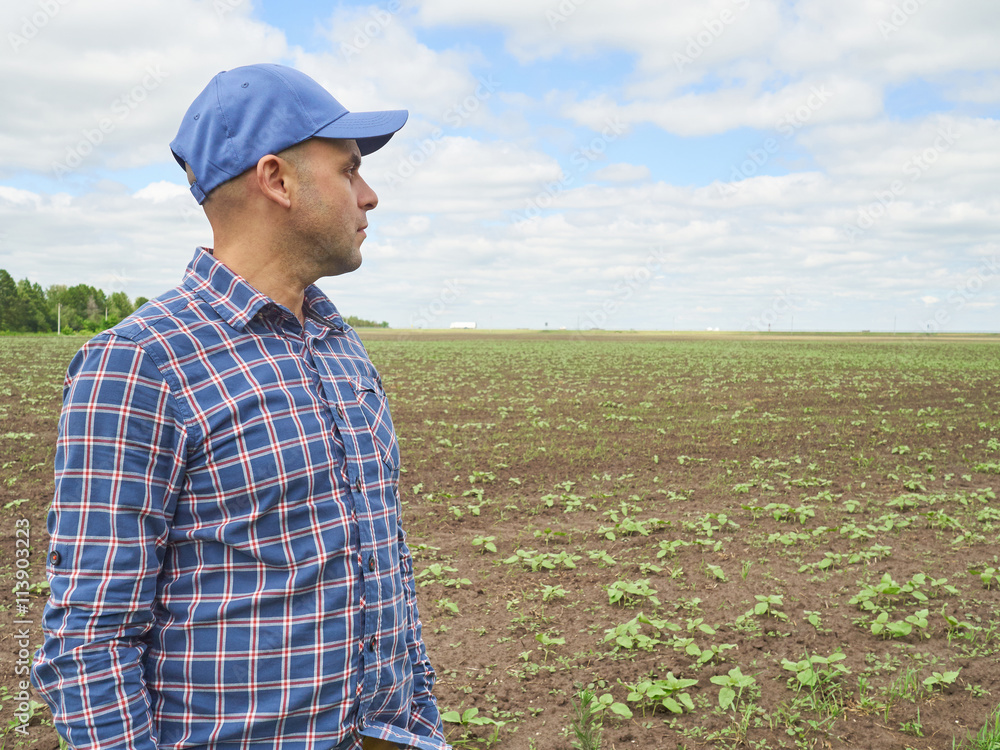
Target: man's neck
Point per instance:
(267, 273)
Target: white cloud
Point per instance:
(14, 197)
(161, 191)
(135, 244)
(105, 83)
(711, 67)
(461, 179)
(786, 110)
(622, 173)
(376, 62)
(651, 29)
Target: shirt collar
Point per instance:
(237, 302)
(320, 309)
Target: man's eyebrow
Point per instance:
(354, 160)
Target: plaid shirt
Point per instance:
(227, 567)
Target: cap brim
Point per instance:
(371, 130)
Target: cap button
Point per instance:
(197, 116)
(245, 84)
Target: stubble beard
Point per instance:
(326, 250)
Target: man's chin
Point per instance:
(346, 266)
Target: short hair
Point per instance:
(224, 198)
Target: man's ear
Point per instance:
(274, 178)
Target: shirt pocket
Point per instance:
(375, 407)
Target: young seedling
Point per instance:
(881, 625)
(543, 560)
(913, 726)
(732, 686)
(630, 593)
(959, 628)
(814, 619)
(588, 711)
(716, 571)
(989, 575)
(669, 548)
(626, 525)
(941, 680)
(870, 596)
(667, 691)
(702, 656)
(435, 573)
(469, 718)
(818, 673)
(547, 535)
(553, 592)
(602, 558)
(448, 605)
(546, 640)
(629, 635)
(698, 623)
(487, 543)
(766, 605)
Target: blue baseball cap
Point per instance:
(249, 112)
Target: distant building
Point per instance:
(463, 325)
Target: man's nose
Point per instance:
(367, 199)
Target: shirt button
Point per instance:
(357, 484)
(340, 411)
(55, 558)
(371, 563)
(371, 643)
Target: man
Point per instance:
(227, 567)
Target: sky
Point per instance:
(741, 165)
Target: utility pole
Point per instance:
(59, 319)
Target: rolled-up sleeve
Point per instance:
(119, 465)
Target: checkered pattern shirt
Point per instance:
(227, 567)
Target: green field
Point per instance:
(732, 541)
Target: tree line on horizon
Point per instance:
(26, 307)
